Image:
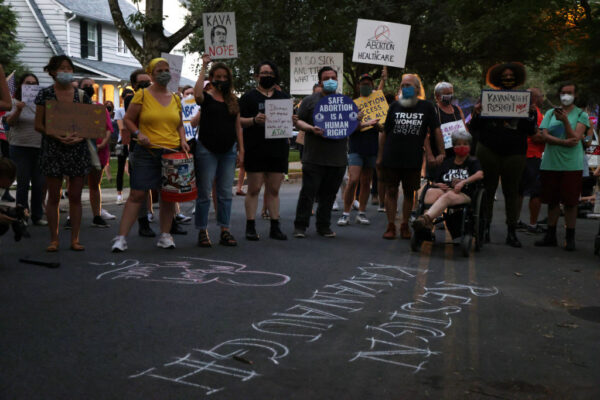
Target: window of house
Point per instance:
(92, 39)
(121, 47)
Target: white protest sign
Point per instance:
(189, 109)
(381, 43)
(505, 103)
(304, 70)
(278, 122)
(220, 39)
(175, 66)
(29, 93)
(449, 128)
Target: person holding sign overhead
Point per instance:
(62, 155)
(154, 118)
(265, 159)
(502, 147)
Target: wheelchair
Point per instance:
(464, 221)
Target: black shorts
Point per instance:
(266, 164)
(531, 184)
(561, 187)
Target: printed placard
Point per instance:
(220, 41)
(374, 106)
(278, 122)
(449, 128)
(68, 119)
(29, 93)
(304, 70)
(189, 109)
(381, 43)
(175, 66)
(337, 115)
(505, 103)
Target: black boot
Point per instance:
(144, 228)
(251, 230)
(276, 231)
(570, 239)
(176, 229)
(486, 235)
(511, 238)
(549, 239)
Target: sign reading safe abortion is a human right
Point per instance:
(337, 115)
(505, 103)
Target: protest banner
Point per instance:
(304, 70)
(175, 66)
(381, 43)
(337, 115)
(29, 93)
(505, 103)
(374, 106)
(220, 39)
(189, 108)
(68, 119)
(278, 123)
(449, 128)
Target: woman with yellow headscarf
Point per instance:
(154, 117)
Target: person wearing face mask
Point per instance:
(155, 120)
(24, 149)
(62, 156)
(563, 128)
(220, 144)
(453, 182)
(323, 162)
(401, 148)
(501, 148)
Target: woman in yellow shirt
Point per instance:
(154, 117)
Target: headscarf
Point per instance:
(152, 64)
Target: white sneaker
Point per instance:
(355, 205)
(106, 215)
(166, 241)
(119, 244)
(150, 217)
(183, 219)
(119, 200)
(381, 209)
(344, 220)
(335, 206)
(362, 219)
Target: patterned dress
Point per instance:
(58, 159)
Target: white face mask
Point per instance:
(567, 99)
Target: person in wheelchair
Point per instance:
(453, 182)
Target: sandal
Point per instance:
(203, 239)
(227, 239)
(52, 247)
(76, 246)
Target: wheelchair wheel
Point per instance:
(465, 245)
(479, 220)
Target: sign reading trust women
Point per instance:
(337, 115)
(220, 39)
(381, 43)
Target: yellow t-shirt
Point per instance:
(158, 122)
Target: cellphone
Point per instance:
(559, 109)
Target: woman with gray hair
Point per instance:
(453, 183)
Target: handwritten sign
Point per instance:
(175, 66)
(304, 70)
(381, 43)
(29, 93)
(505, 103)
(374, 106)
(448, 130)
(278, 123)
(67, 119)
(337, 115)
(189, 109)
(220, 39)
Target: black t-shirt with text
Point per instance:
(449, 171)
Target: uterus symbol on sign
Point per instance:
(382, 34)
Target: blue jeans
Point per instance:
(27, 160)
(214, 167)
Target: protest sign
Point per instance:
(381, 43)
(278, 123)
(29, 93)
(449, 128)
(505, 103)
(220, 39)
(175, 66)
(374, 106)
(337, 115)
(189, 108)
(82, 120)
(304, 70)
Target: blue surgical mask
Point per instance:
(330, 86)
(64, 77)
(408, 92)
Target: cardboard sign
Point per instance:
(381, 43)
(29, 93)
(505, 103)
(175, 66)
(374, 106)
(68, 119)
(220, 39)
(449, 128)
(278, 123)
(304, 70)
(337, 115)
(189, 109)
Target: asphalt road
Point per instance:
(355, 317)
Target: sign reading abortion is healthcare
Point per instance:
(337, 115)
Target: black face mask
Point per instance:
(267, 81)
(143, 84)
(109, 109)
(222, 86)
(89, 90)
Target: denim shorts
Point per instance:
(147, 168)
(355, 159)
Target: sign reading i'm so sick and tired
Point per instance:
(220, 39)
(381, 43)
(337, 115)
(304, 70)
(505, 103)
